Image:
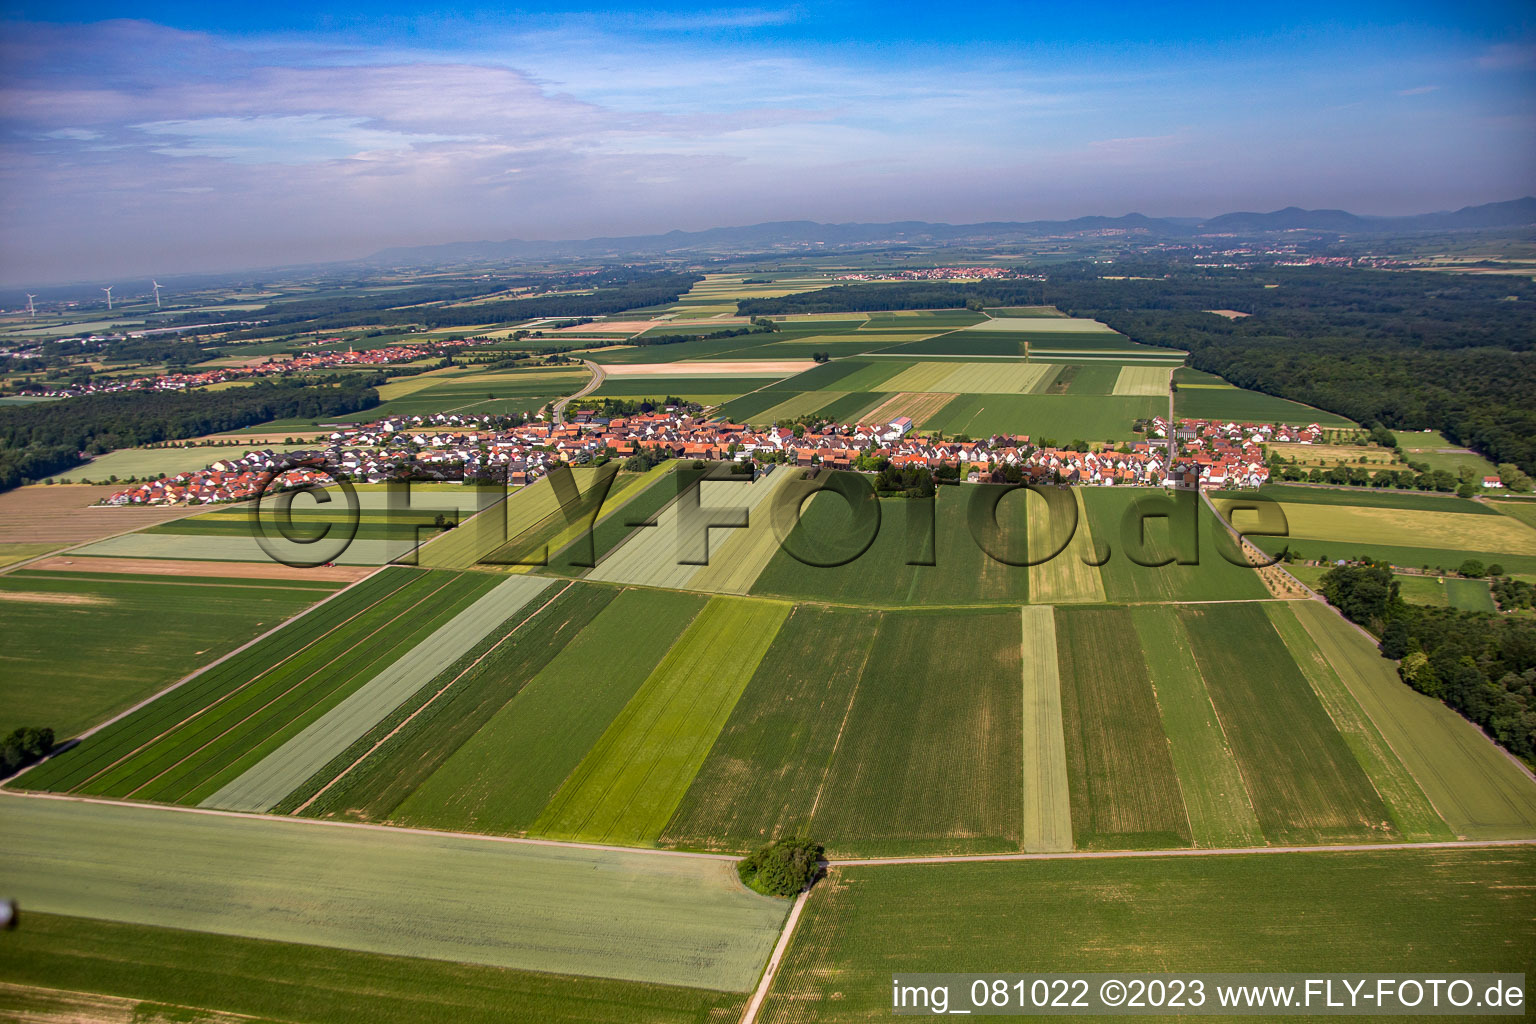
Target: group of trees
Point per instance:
(1481, 664)
(23, 746)
(783, 868)
(46, 438)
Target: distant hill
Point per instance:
(800, 234)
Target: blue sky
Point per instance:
(158, 138)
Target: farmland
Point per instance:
(884, 574)
(1045, 417)
(499, 776)
(1249, 407)
(765, 774)
(1136, 545)
(82, 647)
(1431, 910)
(951, 785)
(75, 967)
(632, 780)
(126, 755)
(1220, 814)
(215, 873)
(1124, 790)
(505, 776)
(1305, 785)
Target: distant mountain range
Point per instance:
(805, 234)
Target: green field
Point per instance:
(1139, 527)
(767, 771)
(628, 786)
(930, 758)
(1059, 418)
(1431, 911)
(1243, 406)
(1435, 450)
(384, 766)
(504, 770)
(961, 573)
(265, 783)
(1446, 559)
(607, 914)
(75, 968)
(80, 648)
(280, 663)
(1220, 814)
(1412, 813)
(1047, 821)
(1125, 794)
(1479, 791)
(1305, 785)
(1368, 498)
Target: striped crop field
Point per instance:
(1305, 784)
(1047, 825)
(1220, 814)
(1042, 325)
(192, 741)
(917, 406)
(1472, 784)
(972, 378)
(510, 762)
(82, 647)
(1125, 793)
(660, 555)
(1070, 577)
(795, 406)
(930, 758)
(1412, 813)
(683, 921)
(630, 783)
(766, 773)
(740, 557)
(271, 779)
(1142, 380)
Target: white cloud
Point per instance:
(278, 139)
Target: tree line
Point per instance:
(1481, 664)
(45, 438)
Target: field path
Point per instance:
(750, 1016)
(1187, 852)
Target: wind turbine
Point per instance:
(108, 290)
(157, 292)
(31, 309)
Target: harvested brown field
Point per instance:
(218, 570)
(918, 405)
(43, 597)
(63, 513)
(1230, 314)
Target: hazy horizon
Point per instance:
(164, 138)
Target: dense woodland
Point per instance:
(1481, 664)
(1454, 353)
(41, 439)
